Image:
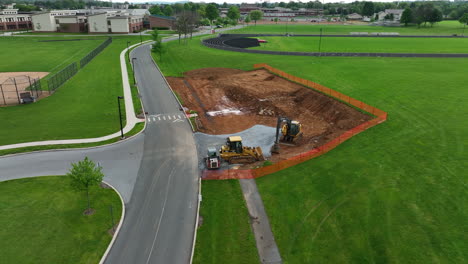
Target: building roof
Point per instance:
(394, 11)
(164, 17)
(118, 17)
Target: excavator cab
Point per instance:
(234, 144)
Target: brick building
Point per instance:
(157, 21)
(11, 19)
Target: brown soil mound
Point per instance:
(259, 97)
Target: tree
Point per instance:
(247, 20)
(256, 15)
(233, 13)
(464, 21)
(84, 175)
(157, 46)
(406, 17)
(155, 10)
(168, 10)
(211, 12)
(368, 9)
(276, 20)
(435, 16)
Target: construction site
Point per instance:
(230, 102)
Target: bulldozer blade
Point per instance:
(259, 152)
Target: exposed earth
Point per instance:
(229, 101)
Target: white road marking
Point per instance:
(174, 116)
(154, 118)
(179, 116)
(164, 117)
(162, 214)
(169, 117)
(149, 119)
(159, 118)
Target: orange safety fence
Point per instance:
(380, 116)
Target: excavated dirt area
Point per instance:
(229, 101)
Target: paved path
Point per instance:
(267, 249)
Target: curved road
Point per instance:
(156, 173)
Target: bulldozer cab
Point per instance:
(235, 144)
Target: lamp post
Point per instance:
(320, 41)
(141, 40)
(128, 53)
(120, 117)
(133, 67)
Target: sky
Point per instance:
(258, 1)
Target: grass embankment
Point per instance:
(447, 28)
(84, 107)
(30, 54)
(42, 221)
(225, 235)
(394, 193)
(385, 45)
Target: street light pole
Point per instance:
(128, 53)
(320, 41)
(133, 68)
(141, 40)
(120, 117)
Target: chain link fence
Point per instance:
(20, 89)
(86, 59)
(61, 77)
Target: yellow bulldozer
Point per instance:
(234, 152)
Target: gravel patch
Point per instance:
(256, 136)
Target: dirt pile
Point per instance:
(230, 101)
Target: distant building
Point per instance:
(89, 21)
(11, 19)
(395, 12)
(354, 16)
(157, 21)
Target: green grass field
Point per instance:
(395, 193)
(225, 235)
(385, 45)
(442, 28)
(84, 107)
(32, 54)
(42, 221)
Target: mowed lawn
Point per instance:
(394, 193)
(374, 44)
(42, 221)
(32, 54)
(447, 28)
(84, 107)
(225, 235)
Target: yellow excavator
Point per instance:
(234, 152)
(291, 131)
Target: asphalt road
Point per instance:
(156, 173)
(161, 214)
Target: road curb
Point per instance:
(118, 227)
(199, 198)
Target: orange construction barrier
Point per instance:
(380, 117)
